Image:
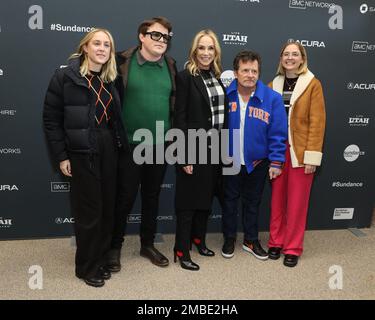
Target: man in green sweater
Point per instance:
(147, 88)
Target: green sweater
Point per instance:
(146, 98)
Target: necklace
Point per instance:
(290, 86)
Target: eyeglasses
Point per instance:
(156, 36)
(293, 54)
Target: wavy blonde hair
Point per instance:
(192, 64)
(303, 67)
(109, 71)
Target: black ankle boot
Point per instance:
(185, 261)
(113, 260)
(201, 247)
(105, 273)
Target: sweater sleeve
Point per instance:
(277, 132)
(53, 117)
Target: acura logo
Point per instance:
(59, 220)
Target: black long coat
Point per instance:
(193, 111)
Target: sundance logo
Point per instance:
(227, 77)
(60, 186)
(304, 4)
(359, 121)
(338, 184)
(235, 38)
(134, 218)
(69, 220)
(310, 43)
(361, 86)
(343, 214)
(5, 223)
(72, 28)
(352, 152)
(8, 187)
(10, 151)
(362, 46)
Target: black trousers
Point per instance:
(131, 176)
(93, 190)
(248, 188)
(190, 224)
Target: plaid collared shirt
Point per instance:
(216, 97)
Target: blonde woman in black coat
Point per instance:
(200, 102)
(82, 122)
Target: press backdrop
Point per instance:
(38, 36)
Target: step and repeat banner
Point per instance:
(36, 37)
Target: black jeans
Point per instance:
(93, 189)
(130, 177)
(248, 187)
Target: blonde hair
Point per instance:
(109, 71)
(192, 64)
(303, 67)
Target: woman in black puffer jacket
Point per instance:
(82, 122)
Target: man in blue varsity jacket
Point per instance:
(257, 147)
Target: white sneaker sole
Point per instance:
(253, 253)
(227, 256)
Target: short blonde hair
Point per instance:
(109, 71)
(303, 67)
(192, 64)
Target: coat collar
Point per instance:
(73, 71)
(259, 91)
(301, 85)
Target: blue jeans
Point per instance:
(250, 188)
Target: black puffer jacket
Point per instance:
(69, 114)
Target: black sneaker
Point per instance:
(255, 249)
(290, 260)
(228, 248)
(274, 253)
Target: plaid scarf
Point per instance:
(216, 97)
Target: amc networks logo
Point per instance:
(60, 186)
(362, 46)
(134, 218)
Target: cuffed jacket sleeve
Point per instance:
(317, 118)
(278, 131)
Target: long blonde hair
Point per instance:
(109, 71)
(192, 64)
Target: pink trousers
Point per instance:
(289, 206)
